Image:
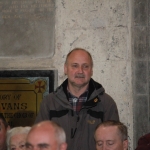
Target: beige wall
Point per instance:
(103, 27)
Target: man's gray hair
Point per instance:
(59, 132)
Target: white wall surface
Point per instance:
(103, 27)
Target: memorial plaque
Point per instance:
(21, 93)
(27, 28)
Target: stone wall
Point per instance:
(141, 67)
(103, 27)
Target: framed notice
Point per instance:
(21, 92)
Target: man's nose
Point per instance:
(104, 147)
(33, 148)
(80, 69)
(19, 148)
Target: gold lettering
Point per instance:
(14, 106)
(5, 97)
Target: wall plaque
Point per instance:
(21, 93)
(27, 28)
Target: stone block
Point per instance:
(141, 116)
(140, 12)
(27, 28)
(148, 45)
(140, 50)
(141, 81)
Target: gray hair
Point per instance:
(60, 133)
(15, 131)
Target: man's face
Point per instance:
(78, 68)
(108, 138)
(41, 138)
(3, 131)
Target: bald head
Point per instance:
(46, 134)
(79, 49)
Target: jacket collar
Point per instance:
(92, 86)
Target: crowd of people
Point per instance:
(78, 115)
(108, 135)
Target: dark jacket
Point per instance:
(79, 128)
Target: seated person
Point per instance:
(46, 135)
(144, 142)
(3, 130)
(111, 135)
(16, 138)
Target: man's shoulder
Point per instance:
(106, 97)
(107, 101)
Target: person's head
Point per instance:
(46, 135)
(78, 67)
(111, 135)
(3, 130)
(16, 138)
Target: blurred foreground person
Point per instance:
(111, 135)
(144, 142)
(3, 130)
(16, 138)
(46, 135)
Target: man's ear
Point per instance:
(65, 69)
(125, 144)
(63, 146)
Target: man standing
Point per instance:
(3, 130)
(46, 135)
(111, 135)
(80, 103)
